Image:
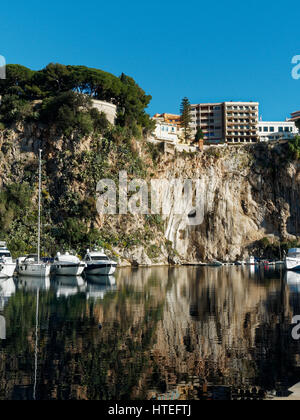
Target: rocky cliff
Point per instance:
(247, 198)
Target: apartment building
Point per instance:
(276, 130)
(241, 122)
(295, 116)
(210, 118)
(230, 122)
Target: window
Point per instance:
(100, 258)
(266, 129)
(280, 130)
(272, 129)
(5, 254)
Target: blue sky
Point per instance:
(207, 51)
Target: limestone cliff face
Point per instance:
(245, 194)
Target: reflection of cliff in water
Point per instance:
(229, 327)
(150, 332)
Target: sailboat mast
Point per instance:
(39, 221)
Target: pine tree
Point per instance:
(186, 118)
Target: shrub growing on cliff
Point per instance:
(294, 148)
(14, 109)
(99, 119)
(15, 201)
(69, 112)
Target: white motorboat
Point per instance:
(292, 260)
(98, 263)
(7, 266)
(67, 265)
(32, 266)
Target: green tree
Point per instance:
(186, 118)
(132, 103)
(69, 112)
(17, 77)
(199, 135)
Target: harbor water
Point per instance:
(160, 333)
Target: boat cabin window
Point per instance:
(294, 253)
(99, 258)
(5, 254)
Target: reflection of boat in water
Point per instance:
(33, 283)
(97, 286)
(214, 263)
(250, 260)
(2, 328)
(292, 279)
(69, 285)
(103, 280)
(7, 289)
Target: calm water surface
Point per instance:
(188, 332)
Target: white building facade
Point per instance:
(276, 130)
(167, 132)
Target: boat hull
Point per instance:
(7, 270)
(73, 270)
(100, 269)
(292, 264)
(34, 270)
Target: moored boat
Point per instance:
(67, 265)
(31, 266)
(98, 263)
(292, 260)
(7, 265)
